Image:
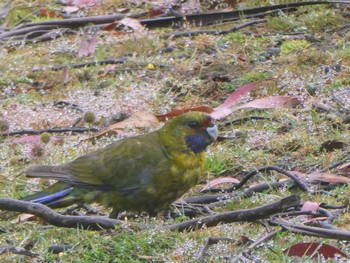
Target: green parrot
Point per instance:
(142, 173)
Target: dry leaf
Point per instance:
(220, 180)
(133, 23)
(87, 46)
(137, 120)
(176, 112)
(328, 178)
(314, 249)
(308, 206)
(82, 3)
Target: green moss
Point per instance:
(215, 165)
(289, 46)
(235, 37)
(318, 18)
(281, 23)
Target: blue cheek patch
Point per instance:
(198, 142)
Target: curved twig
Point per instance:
(50, 130)
(51, 217)
(338, 234)
(297, 181)
(89, 63)
(238, 215)
(215, 32)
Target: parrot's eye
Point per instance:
(194, 124)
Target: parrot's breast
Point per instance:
(186, 169)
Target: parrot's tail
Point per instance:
(55, 196)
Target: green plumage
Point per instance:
(143, 173)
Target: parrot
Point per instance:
(145, 173)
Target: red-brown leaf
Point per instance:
(176, 112)
(133, 23)
(109, 27)
(220, 180)
(51, 14)
(315, 249)
(156, 11)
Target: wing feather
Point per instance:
(123, 165)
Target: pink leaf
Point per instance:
(315, 249)
(224, 109)
(270, 103)
(82, 3)
(87, 46)
(26, 139)
(329, 178)
(308, 206)
(345, 168)
(221, 180)
(300, 175)
(264, 103)
(237, 95)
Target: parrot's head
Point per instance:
(193, 131)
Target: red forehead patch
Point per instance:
(207, 122)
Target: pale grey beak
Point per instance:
(213, 132)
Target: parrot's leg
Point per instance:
(114, 214)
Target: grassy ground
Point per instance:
(310, 59)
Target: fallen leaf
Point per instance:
(109, 27)
(308, 206)
(123, 10)
(66, 76)
(133, 23)
(237, 95)
(70, 9)
(313, 249)
(87, 45)
(24, 217)
(50, 14)
(220, 180)
(137, 120)
(320, 177)
(26, 139)
(271, 102)
(152, 12)
(82, 3)
(224, 109)
(328, 178)
(176, 112)
(345, 168)
(228, 106)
